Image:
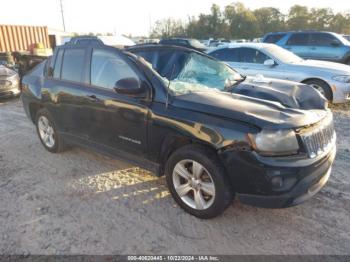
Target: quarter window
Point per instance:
(107, 68)
(73, 65)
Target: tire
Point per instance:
(321, 86)
(56, 143)
(211, 187)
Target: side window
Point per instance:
(226, 54)
(299, 39)
(107, 68)
(73, 65)
(250, 55)
(322, 39)
(273, 38)
(58, 63)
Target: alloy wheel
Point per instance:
(193, 184)
(46, 131)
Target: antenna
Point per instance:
(168, 89)
(62, 14)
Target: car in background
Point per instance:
(9, 82)
(347, 37)
(272, 61)
(184, 42)
(194, 129)
(317, 45)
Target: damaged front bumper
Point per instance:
(277, 182)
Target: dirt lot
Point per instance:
(79, 202)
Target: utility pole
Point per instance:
(64, 25)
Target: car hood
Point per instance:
(324, 65)
(6, 72)
(273, 104)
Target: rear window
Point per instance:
(299, 39)
(273, 38)
(73, 65)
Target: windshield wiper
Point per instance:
(229, 88)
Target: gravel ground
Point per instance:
(80, 202)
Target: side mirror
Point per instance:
(269, 62)
(129, 86)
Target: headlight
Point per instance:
(275, 142)
(343, 79)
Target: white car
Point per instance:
(331, 79)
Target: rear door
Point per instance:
(68, 98)
(299, 43)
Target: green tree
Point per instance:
(298, 18)
(320, 18)
(269, 19)
(241, 21)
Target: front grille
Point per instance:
(319, 139)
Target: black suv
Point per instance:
(211, 131)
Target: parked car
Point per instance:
(347, 37)
(9, 82)
(313, 45)
(269, 60)
(209, 143)
(185, 42)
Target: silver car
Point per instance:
(272, 61)
(9, 82)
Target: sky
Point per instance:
(127, 16)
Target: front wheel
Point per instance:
(198, 182)
(47, 132)
(322, 87)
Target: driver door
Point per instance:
(118, 121)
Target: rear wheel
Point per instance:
(47, 132)
(198, 182)
(322, 87)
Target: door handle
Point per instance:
(93, 98)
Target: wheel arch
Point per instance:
(319, 79)
(33, 109)
(173, 142)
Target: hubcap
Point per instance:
(194, 184)
(46, 131)
(319, 88)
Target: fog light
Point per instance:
(277, 182)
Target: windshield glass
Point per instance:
(200, 73)
(283, 55)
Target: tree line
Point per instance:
(235, 21)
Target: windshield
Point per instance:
(283, 55)
(200, 73)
